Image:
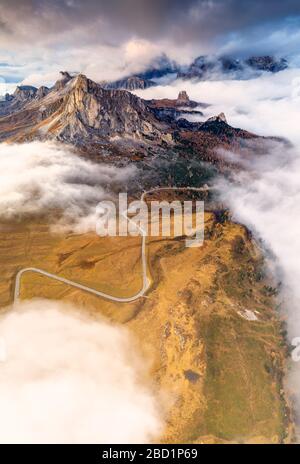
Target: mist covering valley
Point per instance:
(265, 197)
(59, 386)
(44, 177)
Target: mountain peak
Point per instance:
(81, 111)
(80, 81)
(219, 118)
(65, 77)
(25, 92)
(183, 98)
(42, 91)
(129, 83)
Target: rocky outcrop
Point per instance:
(65, 77)
(183, 99)
(130, 83)
(219, 118)
(25, 92)
(171, 110)
(42, 92)
(21, 96)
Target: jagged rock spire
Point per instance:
(220, 118)
(62, 81)
(25, 92)
(183, 97)
(42, 92)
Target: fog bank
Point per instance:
(41, 177)
(266, 196)
(65, 378)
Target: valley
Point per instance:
(192, 324)
(206, 319)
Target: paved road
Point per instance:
(71, 283)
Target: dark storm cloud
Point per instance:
(187, 20)
(108, 39)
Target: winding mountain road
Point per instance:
(146, 280)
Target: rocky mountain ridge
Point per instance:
(210, 68)
(202, 68)
(78, 110)
(116, 124)
(129, 83)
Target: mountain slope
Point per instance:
(80, 111)
(207, 68)
(203, 67)
(116, 123)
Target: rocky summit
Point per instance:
(78, 111)
(207, 68)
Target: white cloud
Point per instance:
(267, 105)
(42, 177)
(267, 199)
(267, 196)
(70, 379)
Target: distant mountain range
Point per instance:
(113, 123)
(202, 68)
(206, 68)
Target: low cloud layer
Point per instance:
(267, 196)
(266, 105)
(68, 379)
(267, 200)
(41, 177)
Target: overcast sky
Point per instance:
(111, 38)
